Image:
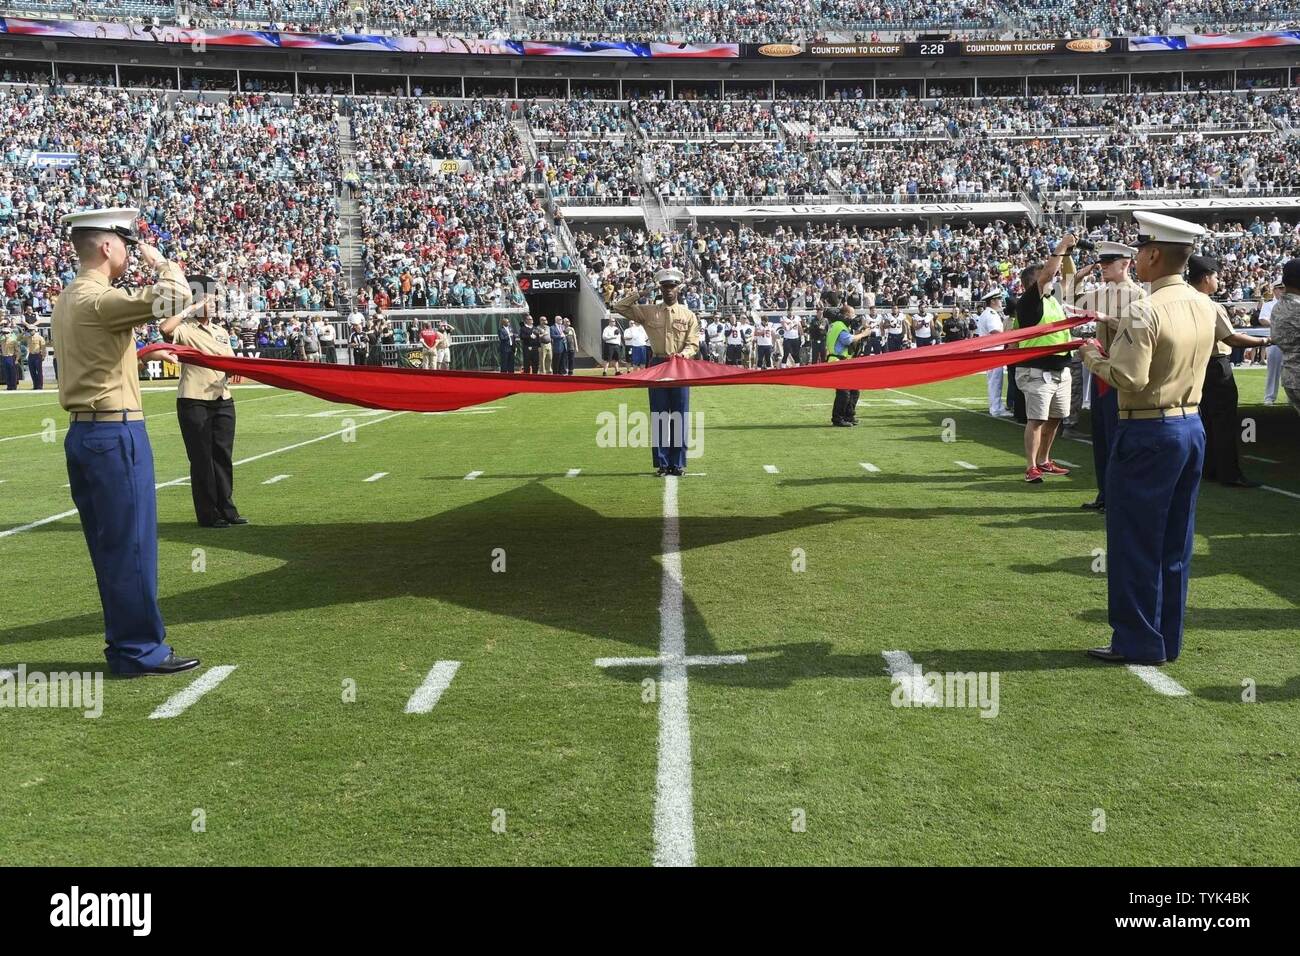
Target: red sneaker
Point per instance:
(1052, 468)
(1034, 476)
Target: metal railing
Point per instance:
(1194, 192)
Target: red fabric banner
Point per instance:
(416, 390)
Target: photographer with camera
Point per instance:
(842, 338)
(1045, 381)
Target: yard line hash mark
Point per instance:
(902, 671)
(1158, 681)
(243, 461)
(177, 704)
(435, 683)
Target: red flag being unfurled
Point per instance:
(416, 390)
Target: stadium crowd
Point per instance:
(439, 236)
(692, 119)
(739, 269)
(757, 21)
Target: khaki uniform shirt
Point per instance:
(1222, 329)
(1111, 298)
(9, 345)
(672, 330)
(93, 323)
(198, 382)
(36, 345)
(1159, 352)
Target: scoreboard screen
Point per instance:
(929, 49)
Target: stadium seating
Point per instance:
(447, 199)
(758, 21)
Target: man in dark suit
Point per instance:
(530, 340)
(506, 346)
(559, 346)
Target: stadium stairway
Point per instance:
(349, 209)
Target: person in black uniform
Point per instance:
(1219, 392)
(359, 340)
(817, 329)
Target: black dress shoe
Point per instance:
(663, 472)
(842, 424)
(676, 472)
(1113, 657)
(1242, 482)
(219, 523)
(169, 665)
(854, 422)
(1097, 505)
(237, 519)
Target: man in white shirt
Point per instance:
(747, 338)
(325, 332)
(791, 340)
(638, 344)
(735, 344)
(1273, 354)
(612, 346)
(717, 339)
(763, 339)
(923, 328)
(895, 331)
(990, 323)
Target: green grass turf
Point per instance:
(339, 579)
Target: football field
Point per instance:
(484, 637)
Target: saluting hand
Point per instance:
(149, 255)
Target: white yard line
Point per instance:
(870, 467)
(573, 473)
(435, 683)
(903, 672)
(276, 479)
(1279, 491)
(674, 799)
(674, 813)
(179, 703)
(472, 475)
(176, 481)
(967, 465)
(377, 475)
(691, 660)
(1067, 464)
(1267, 461)
(771, 469)
(1157, 680)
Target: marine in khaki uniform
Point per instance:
(36, 357)
(672, 329)
(1156, 362)
(1109, 299)
(110, 461)
(205, 408)
(10, 350)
